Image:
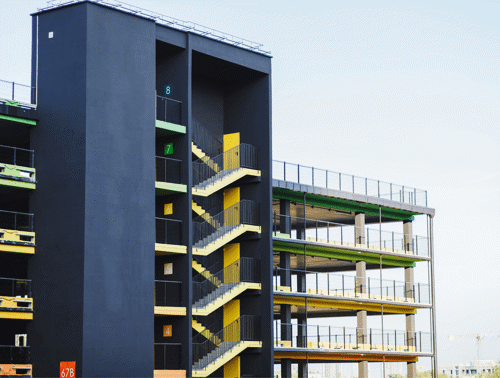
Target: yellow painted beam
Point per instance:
(343, 305)
(168, 249)
(16, 315)
(167, 310)
(169, 374)
(343, 356)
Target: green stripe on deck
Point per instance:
(167, 128)
(16, 119)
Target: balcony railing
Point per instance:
(11, 220)
(168, 231)
(19, 93)
(340, 285)
(168, 356)
(168, 293)
(168, 170)
(17, 156)
(12, 287)
(10, 354)
(343, 338)
(241, 156)
(322, 178)
(168, 110)
(341, 234)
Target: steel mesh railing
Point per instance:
(241, 156)
(210, 144)
(168, 293)
(323, 178)
(168, 110)
(168, 231)
(13, 287)
(17, 156)
(167, 356)
(11, 220)
(168, 170)
(10, 354)
(18, 93)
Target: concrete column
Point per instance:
(410, 294)
(362, 289)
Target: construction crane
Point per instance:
(479, 338)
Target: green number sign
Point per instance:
(169, 149)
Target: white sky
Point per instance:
(402, 91)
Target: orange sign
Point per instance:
(67, 369)
(167, 331)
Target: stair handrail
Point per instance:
(210, 144)
(245, 328)
(243, 212)
(242, 156)
(245, 269)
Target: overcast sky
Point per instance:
(402, 91)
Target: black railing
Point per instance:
(342, 234)
(168, 356)
(168, 293)
(241, 156)
(168, 170)
(11, 220)
(168, 231)
(243, 212)
(344, 338)
(10, 354)
(212, 286)
(332, 284)
(12, 287)
(18, 93)
(323, 178)
(246, 328)
(17, 156)
(168, 110)
(210, 144)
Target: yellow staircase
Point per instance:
(225, 239)
(208, 187)
(205, 332)
(205, 215)
(206, 273)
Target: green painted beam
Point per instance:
(17, 119)
(339, 254)
(342, 204)
(167, 128)
(164, 188)
(18, 184)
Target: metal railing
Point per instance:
(170, 22)
(168, 110)
(210, 144)
(168, 356)
(344, 338)
(241, 156)
(341, 234)
(10, 354)
(168, 170)
(17, 156)
(19, 93)
(332, 284)
(243, 212)
(13, 287)
(12, 220)
(323, 178)
(168, 231)
(246, 328)
(211, 287)
(168, 293)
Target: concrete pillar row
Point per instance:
(411, 367)
(362, 322)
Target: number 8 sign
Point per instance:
(67, 369)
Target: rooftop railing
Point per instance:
(17, 93)
(341, 285)
(323, 178)
(355, 339)
(341, 234)
(168, 110)
(12, 287)
(11, 220)
(17, 156)
(170, 22)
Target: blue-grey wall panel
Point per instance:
(171, 36)
(118, 328)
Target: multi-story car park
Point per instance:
(248, 252)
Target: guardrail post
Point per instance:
(13, 84)
(353, 184)
(284, 171)
(312, 176)
(298, 173)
